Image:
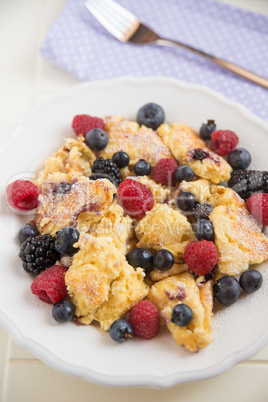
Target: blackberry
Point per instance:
(38, 253)
(199, 154)
(202, 210)
(248, 182)
(106, 169)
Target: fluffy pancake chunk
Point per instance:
(165, 227)
(183, 143)
(57, 210)
(74, 157)
(100, 282)
(138, 142)
(238, 239)
(182, 288)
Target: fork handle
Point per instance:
(223, 63)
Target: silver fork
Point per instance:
(126, 27)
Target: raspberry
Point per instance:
(144, 319)
(83, 123)
(50, 286)
(164, 171)
(223, 142)
(201, 256)
(135, 198)
(257, 204)
(22, 195)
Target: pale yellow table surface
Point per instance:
(25, 80)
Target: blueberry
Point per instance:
(63, 311)
(121, 159)
(182, 315)
(250, 280)
(184, 172)
(65, 239)
(207, 129)
(121, 330)
(185, 201)
(239, 158)
(142, 168)
(27, 231)
(227, 290)
(151, 115)
(97, 139)
(163, 260)
(203, 230)
(141, 257)
(202, 210)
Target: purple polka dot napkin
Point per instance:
(78, 44)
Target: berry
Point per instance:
(63, 311)
(203, 229)
(121, 159)
(250, 280)
(22, 195)
(185, 201)
(239, 158)
(164, 171)
(141, 257)
(182, 315)
(202, 210)
(65, 239)
(184, 172)
(199, 154)
(142, 168)
(121, 330)
(29, 230)
(50, 286)
(201, 256)
(257, 204)
(63, 188)
(163, 260)
(207, 129)
(38, 253)
(97, 139)
(83, 123)
(248, 182)
(135, 198)
(223, 142)
(144, 319)
(151, 115)
(227, 290)
(106, 169)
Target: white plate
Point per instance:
(85, 351)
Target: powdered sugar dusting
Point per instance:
(58, 210)
(138, 142)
